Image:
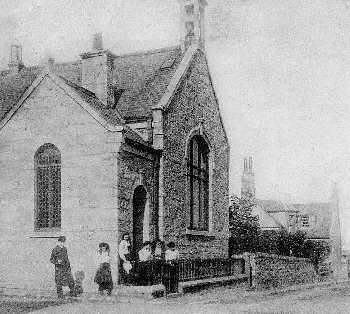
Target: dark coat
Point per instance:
(103, 274)
(63, 273)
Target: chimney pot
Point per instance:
(248, 180)
(16, 64)
(49, 60)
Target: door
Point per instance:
(139, 202)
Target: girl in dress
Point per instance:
(158, 250)
(103, 275)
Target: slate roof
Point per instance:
(111, 116)
(272, 206)
(144, 76)
(12, 87)
(144, 80)
(266, 221)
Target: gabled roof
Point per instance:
(144, 77)
(28, 79)
(109, 115)
(273, 206)
(266, 221)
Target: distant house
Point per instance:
(284, 214)
(314, 218)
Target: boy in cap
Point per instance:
(63, 273)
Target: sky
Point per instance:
(280, 68)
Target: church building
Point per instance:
(109, 144)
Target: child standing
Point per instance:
(171, 257)
(103, 275)
(125, 259)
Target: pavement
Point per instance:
(328, 298)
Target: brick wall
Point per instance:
(89, 212)
(194, 103)
(275, 271)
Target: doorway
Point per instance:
(139, 201)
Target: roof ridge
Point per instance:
(25, 68)
(42, 66)
(86, 91)
(323, 203)
(77, 61)
(148, 52)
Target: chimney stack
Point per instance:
(192, 23)
(97, 71)
(49, 60)
(97, 44)
(248, 179)
(16, 64)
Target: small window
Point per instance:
(305, 221)
(189, 9)
(189, 29)
(48, 187)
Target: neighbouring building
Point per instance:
(315, 219)
(110, 144)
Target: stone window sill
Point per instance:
(199, 233)
(49, 233)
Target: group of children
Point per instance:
(103, 276)
(149, 252)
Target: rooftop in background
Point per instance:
(276, 206)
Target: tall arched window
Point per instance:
(48, 187)
(198, 171)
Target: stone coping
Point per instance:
(210, 281)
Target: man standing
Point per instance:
(63, 273)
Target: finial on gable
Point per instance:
(192, 23)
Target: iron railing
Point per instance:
(198, 269)
(157, 272)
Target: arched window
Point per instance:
(48, 187)
(198, 172)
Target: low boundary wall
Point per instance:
(276, 271)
